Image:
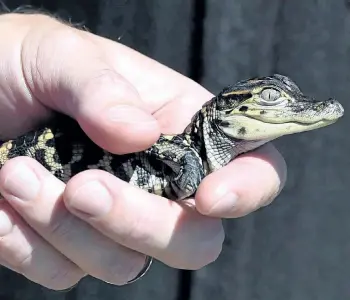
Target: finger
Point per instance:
(24, 252)
(41, 206)
(71, 74)
(166, 92)
(174, 234)
(250, 181)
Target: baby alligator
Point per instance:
(240, 118)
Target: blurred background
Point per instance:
(299, 247)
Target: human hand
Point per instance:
(55, 234)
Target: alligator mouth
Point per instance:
(318, 122)
(249, 128)
(298, 119)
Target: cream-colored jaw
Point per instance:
(276, 113)
(243, 127)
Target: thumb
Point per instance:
(68, 72)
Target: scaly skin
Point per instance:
(239, 119)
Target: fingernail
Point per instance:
(148, 262)
(67, 290)
(5, 224)
(22, 183)
(129, 114)
(92, 199)
(225, 204)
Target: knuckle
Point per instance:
(61, 276)
(20, 259)
(39, 45)
(63, 225)
(6, 221)
(60, 38)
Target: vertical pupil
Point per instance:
(270, 94)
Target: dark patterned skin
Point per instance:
(239, 119)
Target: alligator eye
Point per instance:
(270, 95)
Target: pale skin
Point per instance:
(55, 234)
